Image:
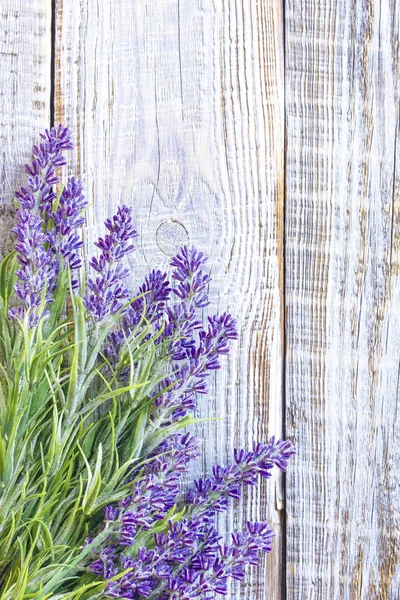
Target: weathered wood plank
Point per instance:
(25, 56)
(178, 110)
(342, 294)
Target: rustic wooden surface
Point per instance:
(181, 108)
(342, 236)
(25, 83)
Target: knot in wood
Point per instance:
(171, 236)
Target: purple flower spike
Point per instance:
(213, 493)
(190, 376)
(40, 247)
(107, 292)
(186, 560)
(150, 306)
(62, 238)
(155, 290)
(192, 281)
(57, 139)
(36, 273)
(38, 195)
(156, 492)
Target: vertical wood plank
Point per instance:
(342, 293)
(25, 56)
(177, 106)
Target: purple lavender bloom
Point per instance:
(211, 573)
(36, 273)
(215, 341)
(192, 280)
(190, 376)
(38, 195)
(182, 320)
(154, 294)
(67, 217)
(155, 492)
(197, 357)
(213, 493)
(206, 573)
(152, 570)
(149, 307)
(105, 566)
(187, 562)
(107, 291)
(41, 248)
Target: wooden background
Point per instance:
(266, 133)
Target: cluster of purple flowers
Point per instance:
(46, 232)
(194, 351)
(186, 559)
(147, 308)
(193, 363)
(188, 562)
(160, 544)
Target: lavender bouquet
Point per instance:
(97, 389)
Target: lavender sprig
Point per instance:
(38, 195)
(41, 249)
(192, 280)
(190, 377)
(211, 494)
(66, 218)
(107, 290)
(37, 272)
(155, 491)
(186, 561)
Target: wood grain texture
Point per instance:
(25, 55)
(342, 296)
(178, 110)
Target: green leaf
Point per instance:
(94, 482)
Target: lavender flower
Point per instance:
(67, 217)
(36, 273)
(40, 248)
(186, 561)
(212, 493)
(208, 575)
(107, 291)
(192, 280)
(196, 357)
(154, 293)
(181, 318)
(38, 194)
(148, 307)
(189, 378)
(154, 490)
(153, 571)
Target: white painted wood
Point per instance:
(177, 106)
(178, 110)
(25, 55)
(342, 297)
